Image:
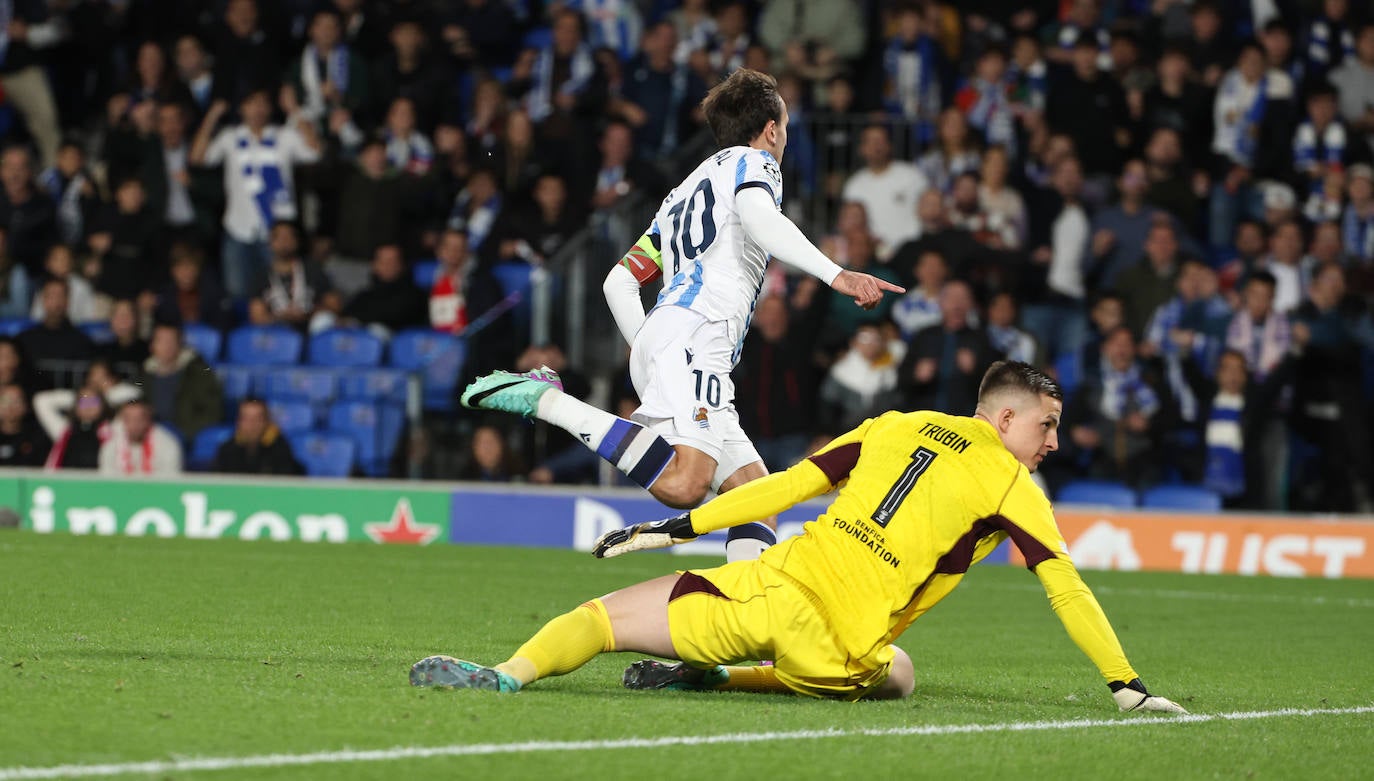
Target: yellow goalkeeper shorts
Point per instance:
(747, 611)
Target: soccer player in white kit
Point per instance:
(711, 240)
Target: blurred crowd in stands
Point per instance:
(1169, 203)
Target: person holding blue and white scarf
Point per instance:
(558, 76)
(1357, 224)
(911, 68)
(328, 75)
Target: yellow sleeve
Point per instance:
(1083, 618)
(809, 478)
(1029, 520)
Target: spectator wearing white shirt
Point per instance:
(257, 159)
(139, 446)
(888, 189)
(1286, 263)
(1055, 316)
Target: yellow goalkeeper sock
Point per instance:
(753, 679)
(563, 645)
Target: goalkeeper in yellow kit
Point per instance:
(922, 497)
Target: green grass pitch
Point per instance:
(119, 650)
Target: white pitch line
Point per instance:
(486, 749)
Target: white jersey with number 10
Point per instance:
(710, 265)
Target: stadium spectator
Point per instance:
(29, 219)
(1151, 280)
(1285, 262)
(372, 201)
(193, 294)
(448, 306)
(292, 291)
(82, 304)
(408, 150)
(490, 459)
(391, 301)
(176, 197)
(1330, 396)
(258, 446)
(619, 172)
(1329, 37)
(518, 159)
(16, 289)
(246, 55)
(1321, 143)
(1090, 107)
(126, 241)
(1251, 117)
(1357, 224)
(72, 190)
(480, 31)
(813, 38)
(1258, 332)
(720, 51)
(29, 32)
(919, 307)
(843, 317)
(22, 441)
(537, 231)
(258, 190)
(192, 65)
(775, 380)
(913, 72)
(53, 337)
(938, 234)
(1120, 231)
(1354, 80)
(1114, 419)
(127, 348)
(77, 422)
(14, 369)
(1208, 43)
(954, 152)
(660, 95)
(851, 220)
(986, 100)
(329, 77)
(412, 70)
(1179, 103)
(862, 383)
(138, 446)
(477, 208)
(1172, 185)
(1003, 205)
(887, 188)
(178, 384)
(1003, 335)
(561, 84)
(1054, 306)
(945, 362)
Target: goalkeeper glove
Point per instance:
(645, 536)
(1132, 696)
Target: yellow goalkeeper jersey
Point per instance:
(922, 497)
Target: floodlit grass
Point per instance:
(118, 650)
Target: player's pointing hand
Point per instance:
(865, 289)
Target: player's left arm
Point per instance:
(753, 501)
(640, 266)
(1029, 521)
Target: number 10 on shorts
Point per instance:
(710, 383)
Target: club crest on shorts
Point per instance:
(700, 418)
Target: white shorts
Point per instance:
(680, 366)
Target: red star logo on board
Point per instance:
(402, 528)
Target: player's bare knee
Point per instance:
(901, 679)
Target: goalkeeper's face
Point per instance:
(1029, 426)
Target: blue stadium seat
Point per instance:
(11, 326)
(267, 344)
(1099, 492)
(1181, 497)
(324, 455)
(1068, 371)
(292, 417)
(237, 381)
(514, 276)
(376, 428)
(439, 359)
(375, 385)
(99, 333)
(205, 340)
(316, 386)
(424, 273)
(206, 444)
(351, 347)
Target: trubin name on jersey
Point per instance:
(945, 437)
(867, 537)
